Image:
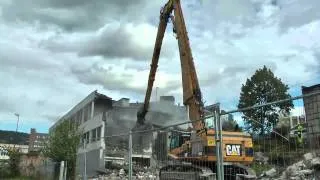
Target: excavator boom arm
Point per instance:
(192, 97)
(164, 17)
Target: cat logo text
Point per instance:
(233, 149)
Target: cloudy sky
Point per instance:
(55, 52)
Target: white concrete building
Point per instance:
(4, 153)
(99, 116)
(90, 116)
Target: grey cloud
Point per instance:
(13, 56)
(228, 72)
(137, 66)
(225, 18)
(296, 13)
(112, 42)
(41, 102)
(227, 15)
(6, 105)
(115, 43)
(73, 15)
(228, 11)
(95, 75)
(33, 82)
(51, 117)
(289, 57)
(317, 56)
(233, 72)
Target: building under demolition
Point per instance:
(312, 107)
(312, 112)
(99, 117)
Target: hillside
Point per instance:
(11, 137)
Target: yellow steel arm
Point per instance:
(164, 17)
(192, 97)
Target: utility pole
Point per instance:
(18, 115)
(85, 159)
(156, 99)
(130, 155)
(61, 170)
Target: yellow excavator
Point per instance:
(196, 147)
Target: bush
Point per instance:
(260, 168)
(4, 170)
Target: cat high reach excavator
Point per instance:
(197, 148)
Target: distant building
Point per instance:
(4, 152)
(312, 108)
(36, 140)
(291, 121)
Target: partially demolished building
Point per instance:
(99, 117)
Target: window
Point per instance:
(94, 134)
(98, 133)
(85, 137)
(176, 140)
(3, 153)
(89, 111)
(80, 116)
(85, 111)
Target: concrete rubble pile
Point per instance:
(143, 174)
(261, 158)
(306, 169)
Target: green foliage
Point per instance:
(12, 165)
(4, 169)
(19, 178)
(63, 144)
(14, 161)
(260, 168)
(231, 125)
(261, 88)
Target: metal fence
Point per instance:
(286, 146)
(39, 168)
(263, 145)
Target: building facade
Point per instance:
(312, 108)
(90, 117)
(36, 140)
(4, 152)
(99, 116)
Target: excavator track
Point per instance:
(232, 171)
(186, 172)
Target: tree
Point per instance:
(261, 88)
(14, 159)
(63, 144)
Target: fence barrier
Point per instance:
(266, 143)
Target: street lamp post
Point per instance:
(18, 115)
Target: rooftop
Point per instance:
(91, 97)
(310, 88)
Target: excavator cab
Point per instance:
(177, 139)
